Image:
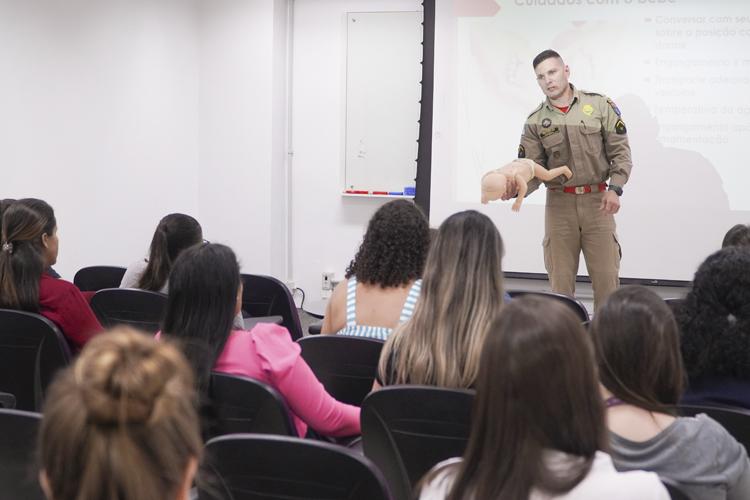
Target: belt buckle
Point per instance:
(580, 189)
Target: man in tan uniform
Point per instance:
(584, 131)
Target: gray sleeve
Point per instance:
(133, 274)
(733, 460)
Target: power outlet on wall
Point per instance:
(327, 282)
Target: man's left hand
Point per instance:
(610, 203)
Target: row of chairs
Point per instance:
(406, 431)
(263, 296)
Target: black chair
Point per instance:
(406, 430)
(267, 296)
(140, 309)
(675, 493)
(346, 366)
(32, 350)
(260, 467)
(315, 328)
(734, 420)
(18, 473)
(95, 278)
(242, 404)
(7, 400)
(675, 304)
(575, 305)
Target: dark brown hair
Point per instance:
(537, 391)
(543, 56)
(121, 422)
(22, 259)
(638, 349)
(175, 233)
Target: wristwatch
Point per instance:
(616, 189)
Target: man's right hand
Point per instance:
(511, 189)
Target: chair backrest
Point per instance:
(575, 305)
(95, 278)
(346, 366)
(242, 404)
(140, 309)
(18, 473)
(255, 467)
(675, 304)
(406, 430)
(267, 296)
(32, 350)
(735, 420)
(675, 493)
(7, 400)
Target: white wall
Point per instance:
(327, 228)
(241, 44)
(118, 112)
(98, 116)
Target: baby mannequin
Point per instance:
(523, 170)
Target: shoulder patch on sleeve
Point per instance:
(536, 110)
(620, 127)
(614, 107)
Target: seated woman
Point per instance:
(121, 423)
(538, 419)
(29, 246)
(382, 282)
(175, 233)
(462, 289)
(205, 293)
(714, 320)
(640, 367)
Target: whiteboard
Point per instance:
(383, 88)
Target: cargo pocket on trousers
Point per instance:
(618, 251)
(547, 254)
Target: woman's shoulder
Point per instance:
(604, 480)
(439, 480)
(49, 286)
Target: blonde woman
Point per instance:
(462, 289)
(121, 423)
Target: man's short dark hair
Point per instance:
(543, 56)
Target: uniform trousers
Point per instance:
(572, 223)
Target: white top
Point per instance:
(602, 482)
(133, 275)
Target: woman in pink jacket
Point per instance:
(205, 294)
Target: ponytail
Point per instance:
(22, 260)
(159, 264)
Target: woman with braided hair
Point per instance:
(121, 423)
(715, 325)
(29, 246)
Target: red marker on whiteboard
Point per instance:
(380, 192)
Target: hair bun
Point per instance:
(126, 379)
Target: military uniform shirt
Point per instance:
(591, 139)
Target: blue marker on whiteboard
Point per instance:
(396, 193)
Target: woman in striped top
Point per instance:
(382, 282)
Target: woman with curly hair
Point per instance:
(715, 325)
(382, 282)
(462, 290)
